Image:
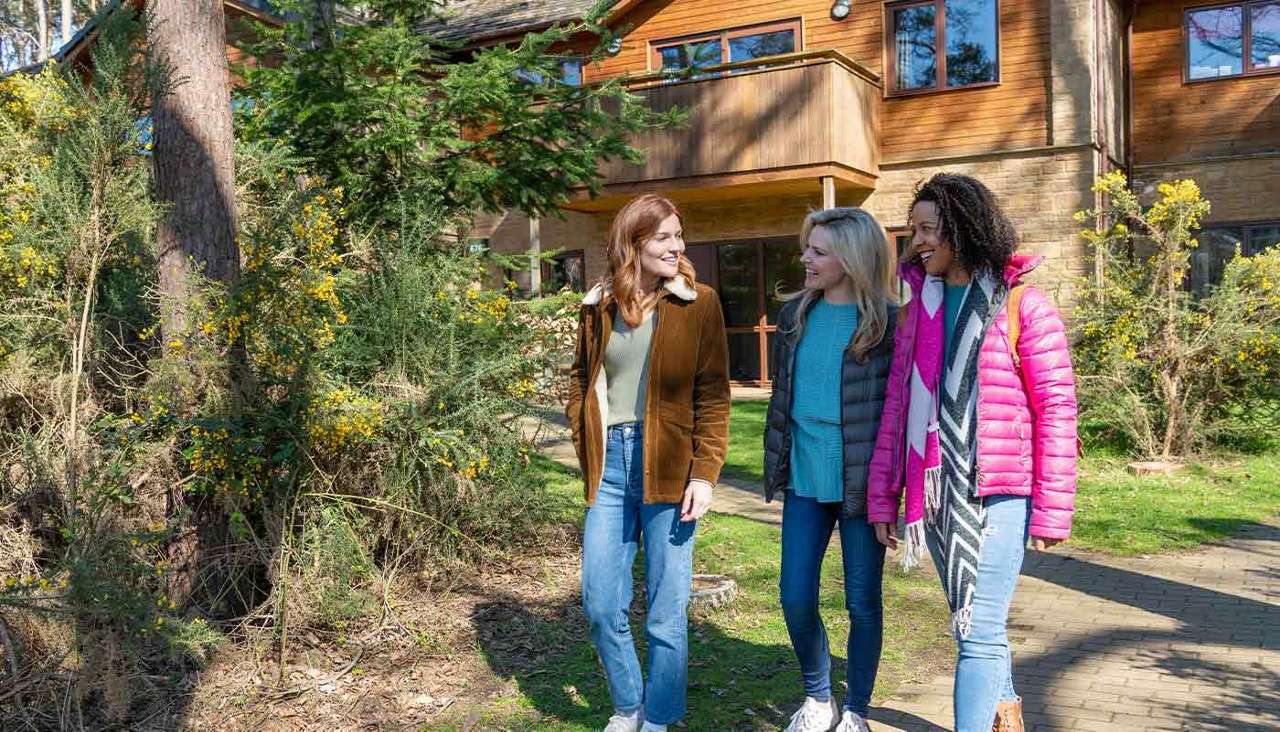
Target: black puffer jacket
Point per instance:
(862, 400)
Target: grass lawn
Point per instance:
(1119, 513)
(1116, 512)
(745, 459)
(743, 674)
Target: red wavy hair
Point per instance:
(632, 227)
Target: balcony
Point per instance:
(785, 124)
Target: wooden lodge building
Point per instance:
(799, 104)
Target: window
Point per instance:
(968, 30)
(683, 55)
(1218, 244)
(570, 73)
(567, 269)
(900, 240)
(748, 274)
(1233, 40)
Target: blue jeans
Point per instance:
(984, 669)
(806, 532)
(616, 524)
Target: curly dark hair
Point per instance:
(971, 220)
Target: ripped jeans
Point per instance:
(984, 669)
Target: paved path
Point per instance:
(1175, 642)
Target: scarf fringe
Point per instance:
(914, 550)
(962, 622)
(932, 493)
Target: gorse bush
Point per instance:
(1170, 370)
(345, 411)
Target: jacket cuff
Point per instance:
(704, 474)
(1049, 532)
(882, 516)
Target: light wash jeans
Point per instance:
(806, 532)
(984, 669)
(616, 523)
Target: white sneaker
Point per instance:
(625, 722)
(850, 722)
(814, 716)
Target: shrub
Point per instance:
(1169, 370)
(375, 429)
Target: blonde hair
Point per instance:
(862, 248)
(632, 227)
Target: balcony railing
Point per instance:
(802, 115)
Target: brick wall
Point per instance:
(1040, 191)
(1240, 190)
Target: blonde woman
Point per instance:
(833, 353)
(649, 411)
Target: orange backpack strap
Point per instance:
(1014, 328)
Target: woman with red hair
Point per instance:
(649, 412)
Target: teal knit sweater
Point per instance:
(817, 444)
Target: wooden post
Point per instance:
(828, 191)
(535, 264)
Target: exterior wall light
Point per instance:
(614, 47)
(840, 9)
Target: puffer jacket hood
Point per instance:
(1027, 442)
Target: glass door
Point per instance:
(748, 275)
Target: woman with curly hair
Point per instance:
(979, 426)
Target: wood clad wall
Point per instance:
(1012, 115)
(1177, 121)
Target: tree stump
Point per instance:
(1154, 467)
(712, 591)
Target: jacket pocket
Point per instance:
(673, 456)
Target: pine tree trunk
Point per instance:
(42, 30)
(195, 178)
(68, 20)
(194, 154)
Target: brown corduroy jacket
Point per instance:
(686, 418)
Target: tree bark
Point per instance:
(195, 178)
(42, 30)
(68, 20)
(194, 155)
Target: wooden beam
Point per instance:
(727, 186)
(828, 191)
(535, 264)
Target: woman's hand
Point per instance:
(1041, 544)
(885, 534)
(697, 499)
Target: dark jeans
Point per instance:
(806, 532)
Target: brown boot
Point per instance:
(1008, 717)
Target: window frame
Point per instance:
(725, 35)
(940, 68)
(1246, 46)
(1248, 247)
(548, 266)
(1247, 232)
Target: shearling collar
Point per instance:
(677, 286)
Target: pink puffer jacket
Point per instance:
(1026, 422)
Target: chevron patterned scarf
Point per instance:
(941, 485)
